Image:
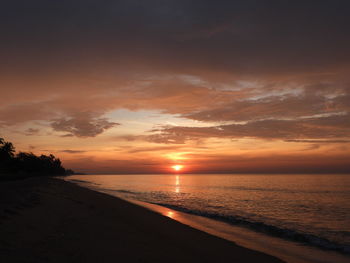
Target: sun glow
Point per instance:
(177, 167)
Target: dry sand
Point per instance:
(51, 220)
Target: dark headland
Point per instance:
(45, 219)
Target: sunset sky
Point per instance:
(216, 86)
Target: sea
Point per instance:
(297, 217)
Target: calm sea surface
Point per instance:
(309, 209)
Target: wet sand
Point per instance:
(51, 220)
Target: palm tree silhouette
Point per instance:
(28, 164)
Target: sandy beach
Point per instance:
(51, 220)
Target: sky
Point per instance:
(216, 86)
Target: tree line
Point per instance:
(24, 164)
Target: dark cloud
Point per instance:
(300, 101)
(172, 137)
(319, 141)
(153, 149)
(248, 36)
(330, 127)
(31, 131)
(72, 151)
(28, 111)
(67, 135)
(82, 126)
(311, 147)
(133, 54)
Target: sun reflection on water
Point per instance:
(170, 214)
(177, 184)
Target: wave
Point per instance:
(283, 190)
(83, 182)
(272, 230)
(122, 191)
(78, 181)
(293, 235)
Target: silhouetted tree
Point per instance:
(7, 152)
(6, 149)
(28, 164)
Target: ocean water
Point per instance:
(308, 210)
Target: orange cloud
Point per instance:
(81, 85)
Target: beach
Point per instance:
(51, 220)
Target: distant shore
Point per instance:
(51, 220)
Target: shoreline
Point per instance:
(51, 220)
(284, 249)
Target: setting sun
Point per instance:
(177, 167)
